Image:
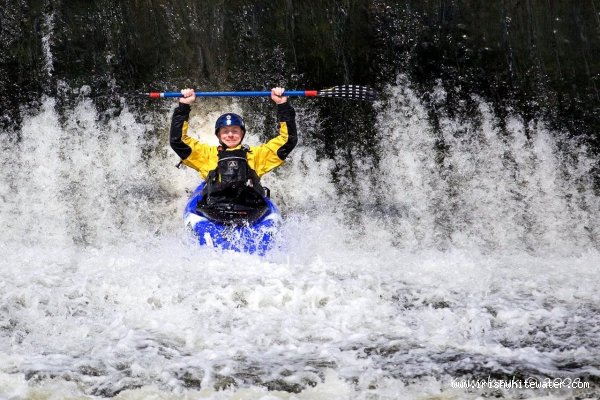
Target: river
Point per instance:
(434, 254)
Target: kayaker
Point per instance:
(232, 170)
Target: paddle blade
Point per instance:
(351, 92)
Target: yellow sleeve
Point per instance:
(203, 157)
(264, 158)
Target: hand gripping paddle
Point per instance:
(350, 92)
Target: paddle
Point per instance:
(350, 92)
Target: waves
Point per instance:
(465, 247)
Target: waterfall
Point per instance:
(441, 237)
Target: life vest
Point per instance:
(233, 190)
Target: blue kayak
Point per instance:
(242, 235)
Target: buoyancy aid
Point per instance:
(232, 171)
(233, 190)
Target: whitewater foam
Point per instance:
(482, 262)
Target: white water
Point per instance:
(484, 263)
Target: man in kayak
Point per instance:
(232, 170)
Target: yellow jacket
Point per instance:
(204, 157)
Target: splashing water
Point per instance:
(476, 261)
